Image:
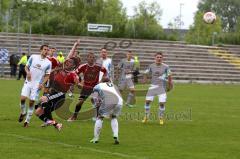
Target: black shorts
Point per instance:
(85, 93)
(55, 101)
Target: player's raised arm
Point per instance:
(104, 71)
(145, 74)
(73, 52)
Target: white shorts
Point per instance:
(162, 98)
(123, 83)
(30, 90)
(108, 110)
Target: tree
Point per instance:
(201, 32)
(146, 21)
(227, 10)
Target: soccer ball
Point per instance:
(209, 17)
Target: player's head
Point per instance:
(129, 55)
(103, 53)
(90, 58)
(105, 79)
(52, 51)
(76, 53)
(158, 57)
(44, 50)
(71, 63)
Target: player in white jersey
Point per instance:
(109, 101)
(38, 69)
(161, 82)
(106, 62)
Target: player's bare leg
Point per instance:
(77, 109)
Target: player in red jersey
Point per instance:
(90, 72)
(61, 79)
(52, 58)
(55, 63)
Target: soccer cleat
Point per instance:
(58, 126)
(72, 118)
(161, 122)
(94, 118)
(70, 94)
(48, 123)
(129, 105)
(145, 120)
(116, 142)
(94, 140)
(25, 125)
(21, 117)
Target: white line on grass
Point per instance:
(73, 146)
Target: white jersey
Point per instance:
(38, 67)
(106, 63)
(108, 93)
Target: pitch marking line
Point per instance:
(73, 146)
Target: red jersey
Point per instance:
(54, 61)
(62, 80)
(90, 74)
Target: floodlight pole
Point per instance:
(180, 16)
(214, 34)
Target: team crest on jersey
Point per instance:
(38, 65)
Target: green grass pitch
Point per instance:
(203, 122)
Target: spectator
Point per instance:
(22, 63)
(60, 57)
(13, 61)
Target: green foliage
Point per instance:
(201, 32)
(145, 21)
(70, 17)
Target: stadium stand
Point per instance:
(189, 63)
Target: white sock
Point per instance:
(147, 110)
(161, 111)
(29, 114)
(97, 128)
(114, 124)
(130, 98)
(23, 108)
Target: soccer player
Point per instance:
(106, 62)
(161, 80)
(61, 79)
(38, 69)
(127, 67)
(109, 102)
(90, 72)
(54, 62)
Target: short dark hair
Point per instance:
(104, 48)
(91, 53)
(159, 53)
(42, 46)
(129, 51)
